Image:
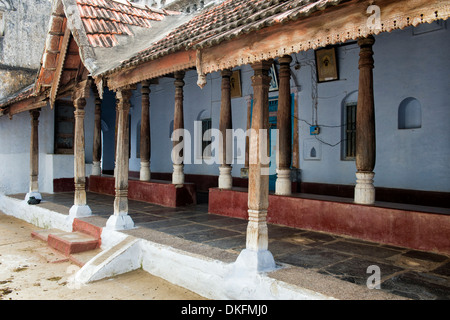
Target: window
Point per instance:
(350, 131)
(64, 127)
(206, 141)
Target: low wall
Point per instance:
(158, 192)
(409, 228)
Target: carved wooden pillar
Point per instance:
(34, 156)
(121, 220)
(145, 133)
(80, 207)
(365, 125)
(97, 150)
(178, 123)
(283, 184)
(256, 257)
(225, 179)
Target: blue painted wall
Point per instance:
(408, 63)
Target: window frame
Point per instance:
(349, 131)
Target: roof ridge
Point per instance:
(110, 5)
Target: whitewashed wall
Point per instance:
(15, 147)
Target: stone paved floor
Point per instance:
(404, 272)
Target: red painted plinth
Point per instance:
(158, 192)
(406, 228)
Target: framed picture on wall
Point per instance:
(326, 64)
(274, 81)
(235, 84)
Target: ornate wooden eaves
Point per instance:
(350, 20)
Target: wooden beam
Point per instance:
(26, 105)
(178, 61)
(59, 67)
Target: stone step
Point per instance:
(72, 242)
(68, 243)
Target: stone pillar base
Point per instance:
(145, 174)
(283, 184)
(364, 189)
(178, 174)
(119, 222)
(78, 211)
(255, 261)
(225, 179)
(34, 194)
(96, 170)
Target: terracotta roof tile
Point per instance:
(103, 19)
(227, 20)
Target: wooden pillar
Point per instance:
(34, 156)
(283, 184)
(178, 123)
(80, 207)
(145, 146)
(365, 125)
(256, 257)
(121, 220)
(97, 150)
(225, 179)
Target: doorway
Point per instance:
(273, 108)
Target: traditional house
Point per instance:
(343, 82)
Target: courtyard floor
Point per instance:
(327, 263)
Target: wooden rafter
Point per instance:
(59, 68)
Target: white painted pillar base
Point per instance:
(34, 194)
(119, 222)
(225, 179)
(364, 189)
(96, 170)
(78, 211)
(178, 174)
(145, 174)
(283, 185)
(255, 261)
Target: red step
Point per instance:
(85, 237)
(72, 242)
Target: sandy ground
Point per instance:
(29, 270)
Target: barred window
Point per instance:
(350, 131)
(206, 141)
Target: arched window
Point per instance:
(410, 114)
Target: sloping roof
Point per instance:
(103, 20)
(319, 22)
(79, 30)
(23, 94)
(226, 21)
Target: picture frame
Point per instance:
(235, 84)
(274, 82)
(326, 65)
